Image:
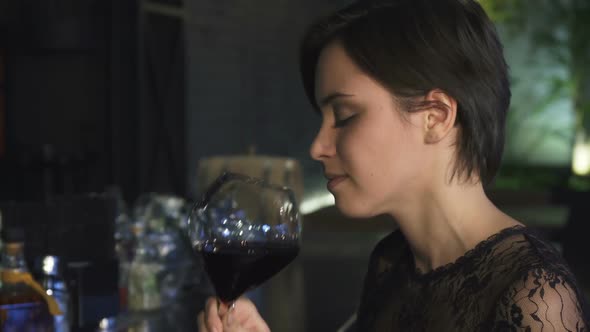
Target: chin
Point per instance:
(354, 210)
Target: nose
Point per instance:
(323, 146)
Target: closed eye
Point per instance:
(343, 122)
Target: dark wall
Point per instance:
(162, 91)
(243, 80)
(223, 81)
(71, 101)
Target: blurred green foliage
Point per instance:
(562, 29)
(557, 31)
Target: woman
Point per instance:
(413, 96)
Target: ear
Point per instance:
(439, 117)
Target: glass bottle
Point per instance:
(144, 292)
(1, 247)
(52, 280)
(24, 305)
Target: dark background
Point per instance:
(99, 93)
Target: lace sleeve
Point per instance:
(541, 301)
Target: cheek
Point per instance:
(382, 155)
(364, 152)
(352, 147)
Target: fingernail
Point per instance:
(231, 308)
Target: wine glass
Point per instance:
(246, 230)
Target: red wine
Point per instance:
(234, 270)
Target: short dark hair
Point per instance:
(414, 46)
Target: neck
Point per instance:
(441, 225)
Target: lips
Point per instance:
(335, 181)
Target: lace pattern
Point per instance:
(512, 281)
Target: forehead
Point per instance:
(336, 72)
(334, 69)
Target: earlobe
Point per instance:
(431, 137)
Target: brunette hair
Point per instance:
(414, 46)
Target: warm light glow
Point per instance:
(316, 201)
(581, 156)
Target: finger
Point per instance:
(245, 303)
(211, 304)
(228, 312)
(244, 306)
(201, 322)
(239, 311)
(212, 319)
(244, 317)
(222, 308)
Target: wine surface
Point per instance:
(234, 270)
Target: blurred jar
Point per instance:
(143, 285)
(158, 273)
(159, 211)
(162, 266)
(126, 238)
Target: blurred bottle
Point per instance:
(107, 325)
(125, 238)
(161, 267)
(24, 305)
(1, 247)
(126, 233)
(160, 211)
(157, 267)
(144, 292)
(147, 302)
(111, 324)
(52, 280)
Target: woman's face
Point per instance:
(372, 154)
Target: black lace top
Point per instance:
(512, 281)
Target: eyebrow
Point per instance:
(330, 98)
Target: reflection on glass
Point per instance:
(246, 230)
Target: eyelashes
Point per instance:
(341, 123)
(343, 114)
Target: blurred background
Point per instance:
(104, 102)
